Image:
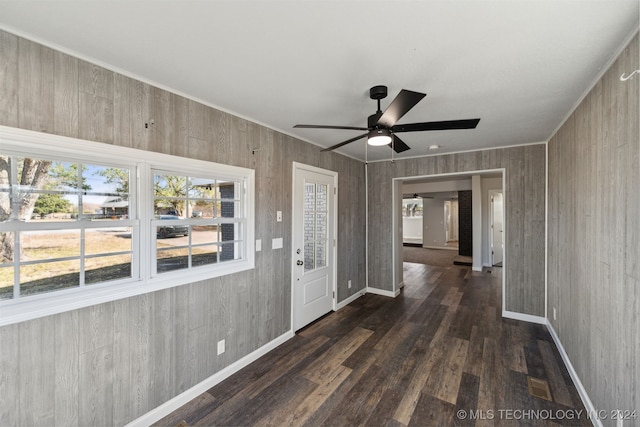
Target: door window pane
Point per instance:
(316, 225)
(321, 259)
(309, 257)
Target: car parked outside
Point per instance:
(165, 231)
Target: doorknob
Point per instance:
(299, 262)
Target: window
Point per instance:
(86, 222)
(62, 225)
(197, 221)
(412, 207)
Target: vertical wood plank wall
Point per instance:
(524, 216)
(111, 363)
(594, 237)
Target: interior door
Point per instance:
(314, 202)
(497, 229)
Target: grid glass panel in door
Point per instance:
(316, 225)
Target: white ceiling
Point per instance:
(520, 66)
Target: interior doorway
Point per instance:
(451, 222)
(475, 185)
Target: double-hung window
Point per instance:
(65, 225)
(83, 223)
(198, 220)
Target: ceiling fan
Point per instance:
(382, 128)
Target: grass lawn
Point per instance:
(107, 265)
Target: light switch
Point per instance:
(279, 216)
(258, 245)
(276, 243)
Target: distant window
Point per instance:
(412, 207)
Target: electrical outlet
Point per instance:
(220, 347)
(554, 313)
(349, 284)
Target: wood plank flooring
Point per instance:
(436, 257)
(439, 354)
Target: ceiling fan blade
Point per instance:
(402, 103)
(444, 125)
(398, 145)
(330, 127)
(345, 142)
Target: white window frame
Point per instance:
(44, 146)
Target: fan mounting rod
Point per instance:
(378, 93)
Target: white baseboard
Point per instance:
(565, 358)
(383, 292)
(188, 395)
(524, 317)
(588, 404)
(376, 291)
(446, 248)
(352, 298)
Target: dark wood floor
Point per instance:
(439, 354)
(435, 257)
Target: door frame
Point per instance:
(396, 221)
(334, 213)
(492, 193)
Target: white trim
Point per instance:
(490, 199)
(25, 142)
(505, 236)
(524, 317)
(366, 225)
(546, 231)
(56, 146)
(383, 292)
(588, 404)
(468, 174)
(186, 396)
(350, 299)
(397, 271)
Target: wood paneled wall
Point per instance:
(524, 216)
(594, 238)
(111, 363)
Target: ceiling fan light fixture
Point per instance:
(379, 137)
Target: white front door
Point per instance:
(497, 228)
(313, 270)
